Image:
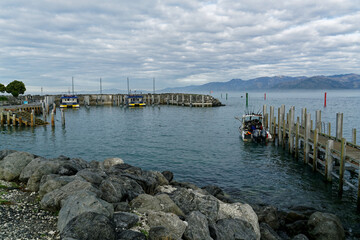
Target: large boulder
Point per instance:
(52, 200)
(233, 229)
(198, 227)
(49, 183)
(109, 162)
(5, 152)
(323, 226)
(131, 235)
(124, 220)
(145, 203)
(269, 215)
(267, 233)
(90, 226)
(92, 175)
(190, 200)
(240, 211)
(12, 165)
(169, 221)
(117, 189)
(82, 202)
(160, 233)
(31, 168)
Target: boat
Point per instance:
(135, 100)
(252, 129)
(69, 101)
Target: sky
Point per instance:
(45, 43)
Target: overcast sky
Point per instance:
(45, 43)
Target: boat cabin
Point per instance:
(135, 100)
(69, 101)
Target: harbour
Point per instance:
(200, 145)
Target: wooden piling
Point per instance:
(32, 118)
(52, 119)
(274, 127)
(318, 120)
(202, 100)
(307, 136)
(297, 139)
(329, 160)
(342, 165)
(2, 120)
(62, 117)
(283, 133)
(303, 116)
(315, 151)
(266, 120)
(271, 119)
(329, 128)
(54, 107)
(8, 118)
(354, 137)
(280, 129)
(14, 120)
(339, 125)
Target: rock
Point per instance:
(187, 185)
(168, 175)
(90, 226)
(145, 203)
(300, 237)
(325, 226)
(291, 217)
(197, 227)
(5, 152)
(267, 233)
(169, 221)
(121, 207)
(124, 220)
(131, 235)
(165, 189)
(160, 233)
(51, 201)
(233, 229)
(82, 202)
(268, 214)
(189, 200)
(213, 190)
(92, 175)
(12, 165)
(297, 227)
(41, 170)
(117, 189)
(51, 182)
(109, 162)
(31, 168)
(240, 211)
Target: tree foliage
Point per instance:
(2, 88)
(15, 88)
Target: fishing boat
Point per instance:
(252, 129)
(69, 101)
(135, 100)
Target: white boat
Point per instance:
(252, 129)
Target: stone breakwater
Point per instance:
(114, 200)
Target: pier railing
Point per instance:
(327, 154)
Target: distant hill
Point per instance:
(346, 81)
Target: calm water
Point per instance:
(202, 146)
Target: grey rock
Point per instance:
(186, 185)
(168, 175)
(300, 237)
(297, 227)
(51, 182)
(323, 226)
(31, 168)
(189, 200)
(168, 220)
(197, 227)
(121, 207)
(124, 220)
(144, 203)
(44, 169)
(213, 190)
(5, 152)
(92, 175)
(269, 215)
(51, 201)
(12, 165)
(109, 162)
(117, 189)
(82, 202)
(160, 233)
(89, 226)
(131, 235)
(234, 229)
(267, 233)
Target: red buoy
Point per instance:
(325, 100)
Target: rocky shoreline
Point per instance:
(70, 198)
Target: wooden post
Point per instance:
(190, 100)
(159, 98)
(52, 119)
(264, 109)
(316, 136)
(54, 108)
(62, 117)
(303, 116)
(339, 125)
(183, 100)
(2, 120)
(354, 137)
(14, 119)
(177, 99)
(8, 118)
(172, 99)
(307, 136)
(297, 138)
(329, 129)
(274, 127)
(20, 121)
(318, 120)
(271, 120)
(202, 100)
(342, 166)
(32, 118)
(279, 126)
(291, 127)
(247, 99)
(284, 133)
(329, 160)
(358, 193)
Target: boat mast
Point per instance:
(128, 85)
(153, 85)
(100, 87)
(73, 85)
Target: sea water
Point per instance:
(203, 146)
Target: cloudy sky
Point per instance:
(45, 43)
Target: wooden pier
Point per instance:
(22, 115)
(329, 155)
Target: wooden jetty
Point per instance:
(21, 115)
(329, 155)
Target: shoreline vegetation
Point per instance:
(70, 198)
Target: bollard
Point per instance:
(329, 160)
(62, 117)
(342, 166)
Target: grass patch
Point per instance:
(145, 233)
(5, 202)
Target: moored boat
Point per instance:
(69, 101)
(252, 129)
(135, 100)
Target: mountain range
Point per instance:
(344, 81)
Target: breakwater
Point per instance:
(114, 200)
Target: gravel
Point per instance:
(21, 216)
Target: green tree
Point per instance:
(15, 88)
(2, 88)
